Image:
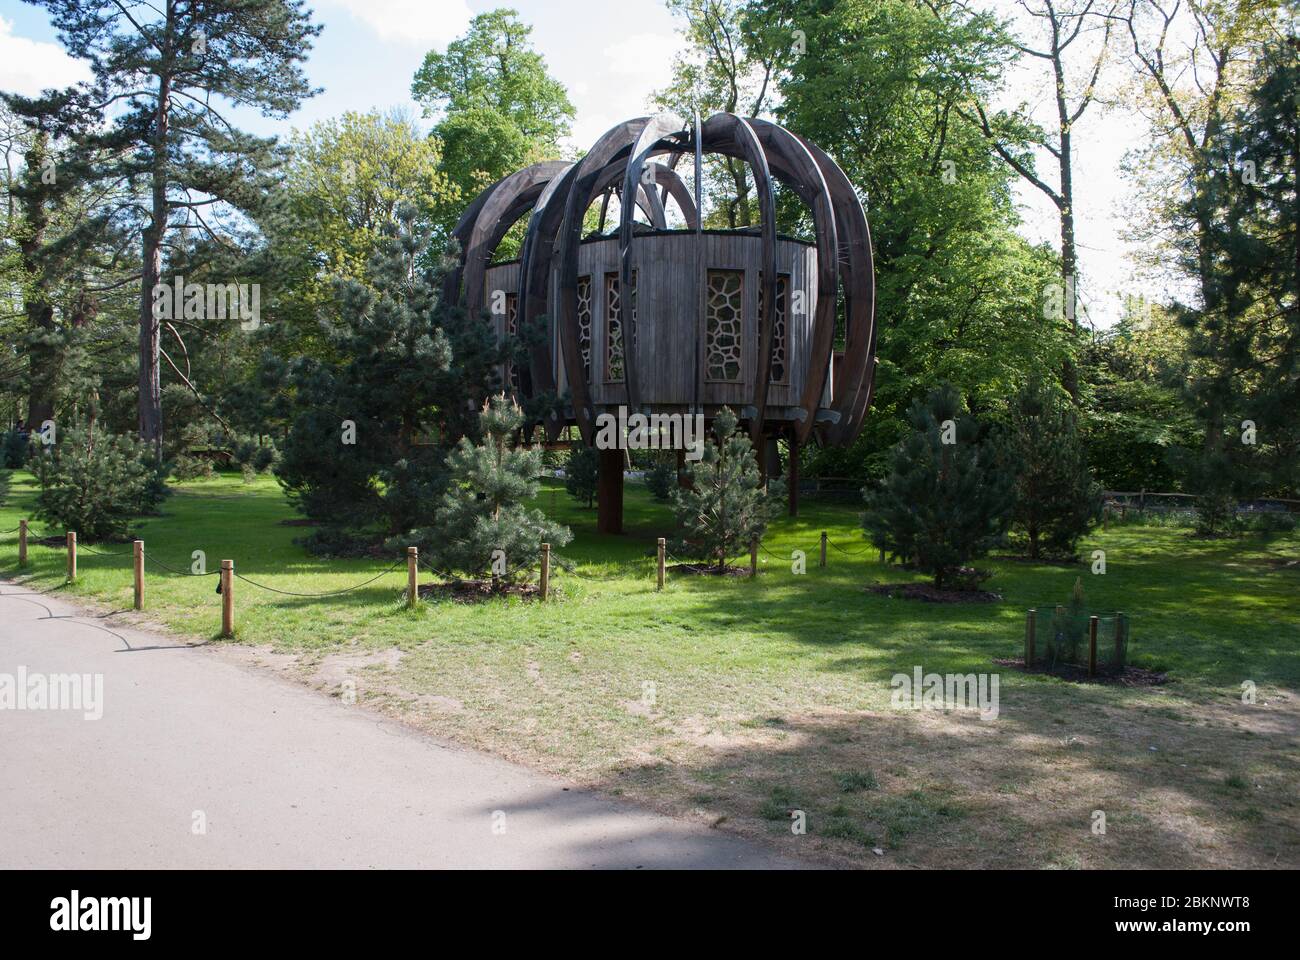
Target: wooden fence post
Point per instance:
(753, 558)
(663, 549)
(412, 576)
(546, 570)
(823, 563)
(227, 598)
(882, 556)
(1031, 623)
(139, 574)
(22, 543)
(1105, 517)
(72, 556)
(1092, 646)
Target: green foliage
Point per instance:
(942, 504)
(497, 107)
(580, 472)
(400, 371)
(15, 447)
(345, 181)
(884, 88)
(661, 478)
(1057, 500)
(96, 483)
(1242, 369)
(1132, 413)
(191, 468)
(483, 510)
(726, 508)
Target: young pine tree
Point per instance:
(95, 483)
(482, 526)
(726, 507)
(580, 473)
(947, 498)
(1057, 499)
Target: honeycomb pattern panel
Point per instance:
(724, 315)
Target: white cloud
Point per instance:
(420, 22)
(29, 66)
(644, 56)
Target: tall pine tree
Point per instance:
(1057, 499)
(483, 526)
(947, 498)
(165, 70)
(726, 507)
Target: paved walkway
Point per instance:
(281, 775)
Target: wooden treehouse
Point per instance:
(684, 320)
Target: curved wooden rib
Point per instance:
(730, 132)
(513, 196)
(536, 252)
(797, 167)
(649, 137)
(581, 189)
(461, 233)
(855, 387)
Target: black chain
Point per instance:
(184, 573)
(849, 553)
(103, 553)
(330, 593)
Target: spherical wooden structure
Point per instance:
(655, 320)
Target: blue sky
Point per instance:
(611, 56)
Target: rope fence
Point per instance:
(413, 563)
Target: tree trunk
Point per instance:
(150, 381)
(43, 361)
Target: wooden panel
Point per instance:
(670, 272)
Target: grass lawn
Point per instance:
(736, 701)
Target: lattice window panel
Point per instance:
(584, 325)
(512, 328)
(614, 325)
(780, 326)
(723, 322)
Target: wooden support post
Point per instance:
(792, 492)
(609, 492)
(663, 552)
(412, 577)
(882, 556)
(546, 570)
(1031, 624)
(72, 556)
(22, 543)
(1092, 646)
(139, 574)
(823, 562)
(753, 558)
(227, 598)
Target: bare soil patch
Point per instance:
(477, 591)
(1129, 676)
(929, 593)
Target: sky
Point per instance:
(611, 55)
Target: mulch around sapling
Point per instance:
(1129, 676)
(477, 591)
(929, 593)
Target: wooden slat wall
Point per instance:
(670, 305)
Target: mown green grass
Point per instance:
(1214, 612)
(738, 700)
